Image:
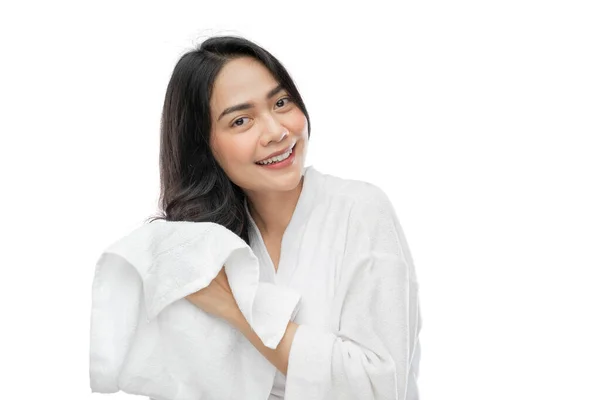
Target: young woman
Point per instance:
(234, 139)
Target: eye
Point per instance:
(236, 124)
(283, 98)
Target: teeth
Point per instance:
(276, 158)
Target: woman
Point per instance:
(234, 139)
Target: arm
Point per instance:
(374, 353)
(279, 356)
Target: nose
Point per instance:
(274, 131)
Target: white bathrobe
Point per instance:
(345, 275)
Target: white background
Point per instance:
(480, 120)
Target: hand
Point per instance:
(217, 298)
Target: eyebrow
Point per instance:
(245, 106)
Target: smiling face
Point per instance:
(242, 136)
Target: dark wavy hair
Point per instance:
(193, 186)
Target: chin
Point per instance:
(282, 181)
(288, 181)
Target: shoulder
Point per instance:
(372, 227)
(358, 193)
(370, 224)
(368, 213)
(367, 202)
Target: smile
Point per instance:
(280, 161)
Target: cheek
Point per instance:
(233, 151)
(298, 121)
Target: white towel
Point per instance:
(147, 339)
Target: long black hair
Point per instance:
(193, 186)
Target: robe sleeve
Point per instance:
(374, 353)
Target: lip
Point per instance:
(282, 165)
(277, 153)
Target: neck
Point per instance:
(272, 211)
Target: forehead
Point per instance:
(240, 80)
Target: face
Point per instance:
(242, 136)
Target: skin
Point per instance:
(241, 138)
(238, 140)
